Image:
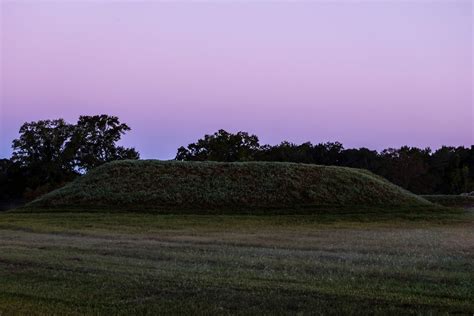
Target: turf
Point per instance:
(231, 187)
(129, 263)
(451, 200)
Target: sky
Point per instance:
(373, 74)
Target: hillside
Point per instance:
(193, 186)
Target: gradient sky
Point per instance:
(366, 73)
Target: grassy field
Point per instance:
(451, 200)
(130, 263)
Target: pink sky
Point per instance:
(374, 74)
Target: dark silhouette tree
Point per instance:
(363, 158)
(12, 180)
(287, 152)
(221, 146)
(42, 149)
(94, 141)
(408, 167)
(49, 153)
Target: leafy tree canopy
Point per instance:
(52, 152)
(94, 141)
(221, 146)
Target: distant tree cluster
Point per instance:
(448, 170)
(49, 153)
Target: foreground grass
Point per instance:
(122, 263)
(451, 200)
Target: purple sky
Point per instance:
(376, 74)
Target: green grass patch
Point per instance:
(451, 200)
(144, 263)
(212, 187)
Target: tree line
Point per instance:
(447, 170)
(50, 153)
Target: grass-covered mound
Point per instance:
(246, 187)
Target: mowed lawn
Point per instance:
(122, 263)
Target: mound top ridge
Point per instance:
(172, 185)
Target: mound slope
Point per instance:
(171, 185)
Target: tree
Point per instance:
(328, 153)
(287, 152)
(43, 149)
(49, 153)
(11, 180)
(408, 167)
(221, 146)
(363, 158)
(94, 141)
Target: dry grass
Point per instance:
(83, 263)
(263, 187)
